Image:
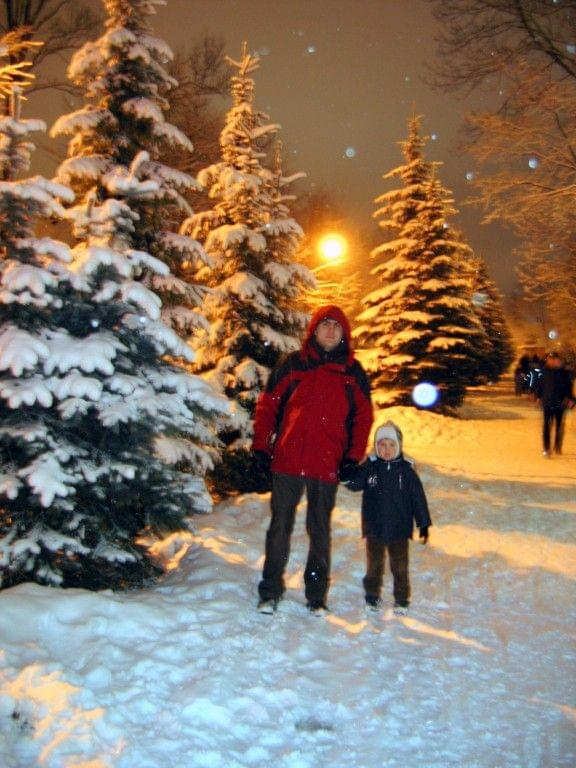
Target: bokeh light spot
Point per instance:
(552, 334)
(533, 162)
(350, 152)
(425, 395)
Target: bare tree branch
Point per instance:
(523, 53)
(479, 39)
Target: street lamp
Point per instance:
(331, 285)
(333, 247)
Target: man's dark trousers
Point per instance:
(553, 416)
(287, 490)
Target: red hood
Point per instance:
(335, 313)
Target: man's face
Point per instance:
(328, 334)
(386, 448)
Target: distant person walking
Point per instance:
(522, 376)
(554, 392)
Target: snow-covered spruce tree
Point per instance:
(32, 296)
(487, 302)
(88, 398)
(419, 325)
(125, 84)
(255, 282)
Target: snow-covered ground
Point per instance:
(481, 674)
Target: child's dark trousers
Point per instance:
(375, 556)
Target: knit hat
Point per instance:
(389, 431)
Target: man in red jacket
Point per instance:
(313, 418)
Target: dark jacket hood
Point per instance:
(310, 348)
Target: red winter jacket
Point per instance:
(316, 408)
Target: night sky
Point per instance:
(342, 77)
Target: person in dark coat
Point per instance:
(314, 416)
(522, 376)
(554, 392)
(393, 499)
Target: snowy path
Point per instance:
(480, 674)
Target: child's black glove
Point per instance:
(424, 536)
(262, 461)
(347, 470)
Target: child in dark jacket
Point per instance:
(393, 498)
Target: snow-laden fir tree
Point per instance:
(487, 301)
(32, 296)
(419, 324)
(102, 420)
(87, 395)
(126, 86)
(253, 307)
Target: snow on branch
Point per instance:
(47, 478)
(19, 392)
(86, 119)
(20, 350)
(92, 353)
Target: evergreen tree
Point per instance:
(254, 282)
(98, 421)
(86, 397)
(419, 325)
(487, 302)
(126, 86)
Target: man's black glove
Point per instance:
(424, 536)
(262, 461)
(347, 470)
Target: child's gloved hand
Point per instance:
(347, 469)
(424, 536)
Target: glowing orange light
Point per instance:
(333, 247)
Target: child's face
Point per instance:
(386, 448)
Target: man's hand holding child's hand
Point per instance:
(347, 470)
